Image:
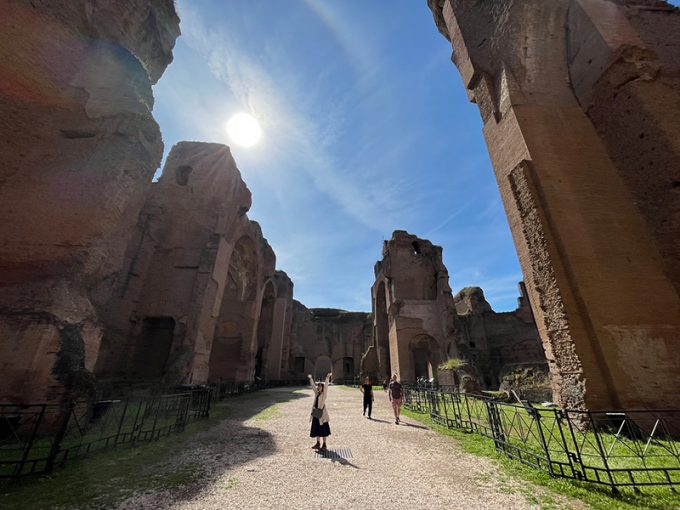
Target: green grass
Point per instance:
(268, 413)
(232, 483)
(523, 432)
(599, 498)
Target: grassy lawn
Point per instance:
(597, 497)
(106, 478)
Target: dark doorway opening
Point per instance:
(153, 348)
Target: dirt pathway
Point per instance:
(266, 462)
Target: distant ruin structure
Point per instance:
(418, 323)
(324, 340)
(497, 343)
(580, 102)
(413, 312)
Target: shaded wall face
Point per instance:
(79, 149)
(413, 272)
(624, 68)
(231, 351)
(265, 328)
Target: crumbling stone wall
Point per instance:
(200, 270)
(579, 100)
(326, 339)
(79, 147)
(413, 311)
(497, 343)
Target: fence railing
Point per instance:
(634, 448)
(34, 439)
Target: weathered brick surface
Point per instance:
(566, 89)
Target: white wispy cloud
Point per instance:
(297, 134)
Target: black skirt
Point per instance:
(319, 430)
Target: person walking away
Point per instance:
(367, 390)
(320, 427)
(396, 397)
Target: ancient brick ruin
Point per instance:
(579, 100)
(325, 339)
(418, 324)
(108, 280)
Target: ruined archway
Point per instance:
(425, 356)
(265, 328)
(230, 355)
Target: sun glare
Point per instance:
(244, 130)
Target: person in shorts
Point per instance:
(396, 395)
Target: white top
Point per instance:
(322, 398)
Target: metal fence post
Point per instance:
(537, 416)
(29, 445)
(59, 437)
(120, 423)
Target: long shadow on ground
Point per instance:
(182, 463)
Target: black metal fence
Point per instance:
(34, 439)
(634, 448)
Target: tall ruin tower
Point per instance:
(580, 101)
(413, 311)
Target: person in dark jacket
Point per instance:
(367, 390)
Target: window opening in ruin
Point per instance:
(348, 368)
(299, 365)
(153, 347)
(416, 247)
(420, 363)
(182, 174)
(473, 345)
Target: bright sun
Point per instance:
(244, 129)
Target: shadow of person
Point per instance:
(335, 456)
(413, 425)
(379, 420)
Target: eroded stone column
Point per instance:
(597, 264)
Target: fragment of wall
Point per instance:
(79, 147)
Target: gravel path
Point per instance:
(266, 462)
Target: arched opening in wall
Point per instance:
(348, 369)
(426, 356)
(382, 332)
(322, 367)
(231, 355)
(264, 330)
(152, 348)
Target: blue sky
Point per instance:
(367, 129)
